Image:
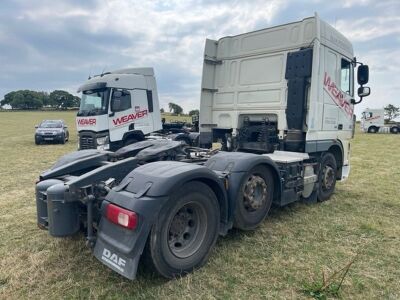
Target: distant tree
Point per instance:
(194, 112)
(162, 110)
(175, 108)
(63, 99)
(391, 112)
(24, 99)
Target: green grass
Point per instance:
(284, 258)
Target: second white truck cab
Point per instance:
(373, 121)
(289, 87)
(118, 108)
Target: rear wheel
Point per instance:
(394, 130)
(327, 176)
(254, 199)
(185, 232)
(372, 129)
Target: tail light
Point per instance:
(121, 216)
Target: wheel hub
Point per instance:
(328, 178)
(186, 231)
(255, 193)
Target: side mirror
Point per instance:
(65, 126)
(36, 126)
(362, 74)
(363, 91)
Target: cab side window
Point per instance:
(121, 100)
(345, 77)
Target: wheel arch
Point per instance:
(236, 165)
(137, 134)
(337, 151)
(277, 181)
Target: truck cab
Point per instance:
(289, 87)
(372, 120)
(118, 108)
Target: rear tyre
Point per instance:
(327, 177)
(394, 130)
(372, 129)
(185, 232)
(254, 199)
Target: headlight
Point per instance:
(102, 140)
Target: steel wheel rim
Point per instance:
(254, 193)
(328, 177)
(187, 230)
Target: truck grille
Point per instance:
(87, 142)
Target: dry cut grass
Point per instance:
(285, 258)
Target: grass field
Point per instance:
(285, 258)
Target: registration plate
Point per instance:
(48, 139)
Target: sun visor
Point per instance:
(92, 86)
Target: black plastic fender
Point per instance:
(76, 161)
(235, 165)
(146, 190)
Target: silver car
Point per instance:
(51, 131)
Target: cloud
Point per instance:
(49, 45)
(366, 29)
(72, 38)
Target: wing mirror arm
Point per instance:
(354, 102)
(363, 91)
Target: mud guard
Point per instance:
(236, 164)
(146, 190)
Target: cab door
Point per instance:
(143, 119)
(338, 91)
(346, 74)
(129, 111)
(330, 78)
(120, 110)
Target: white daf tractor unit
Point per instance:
(373, 121)
(118, 108)
(287, 88)
(280, 103)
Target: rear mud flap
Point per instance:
(126, 266)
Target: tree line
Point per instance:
(391, 112)
(27, 99)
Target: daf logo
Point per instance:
(113, 259)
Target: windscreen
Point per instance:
(94, 102)
(51, 124)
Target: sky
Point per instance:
(47, 45)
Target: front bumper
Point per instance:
(48, 137)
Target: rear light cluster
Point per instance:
(120, 216)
